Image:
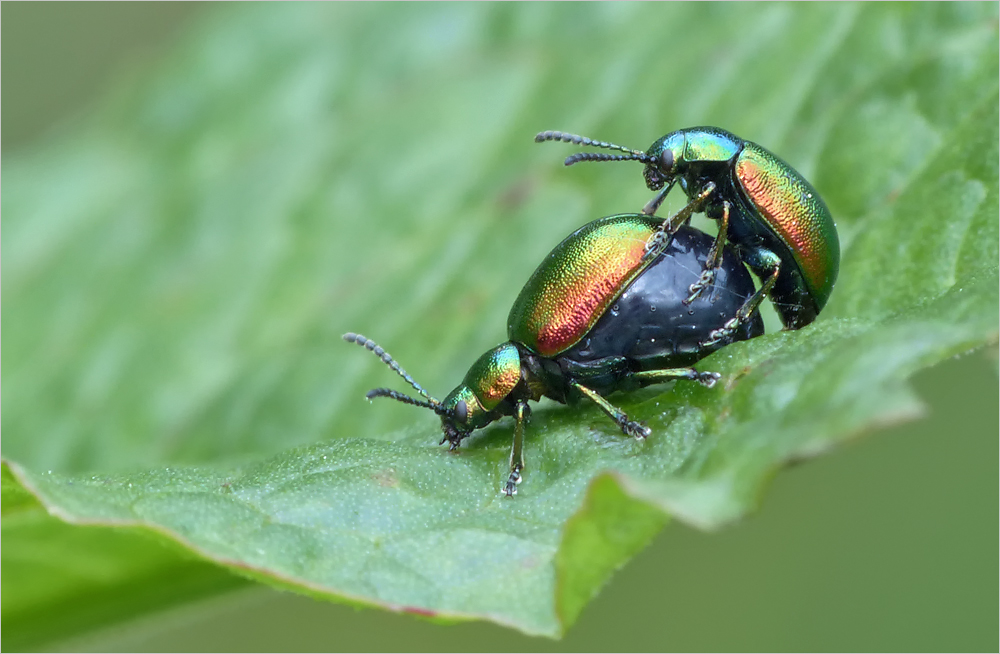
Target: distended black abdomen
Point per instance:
(649, 324)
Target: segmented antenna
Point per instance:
(406, 399)
(551, 135)
(631, 155)
(374, 347)
(600, 156)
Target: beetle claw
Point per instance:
(636, 429)
(655, 245)
(708, 379)
(724, 333)
(707, 279)
(510, 488)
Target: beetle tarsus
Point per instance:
(724, 333)
(714, 259)
(521, 413)
(708, 379)
(510, 488)
(656, 244)
(660, 239)
(706, 279)
(636, 429)
(763, 263)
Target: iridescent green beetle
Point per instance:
(781, 227)
(597, 316)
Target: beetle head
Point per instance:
(665, 161)
(472, 405)
(465, 414)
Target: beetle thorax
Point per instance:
(489, 381)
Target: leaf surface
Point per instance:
(178, 274)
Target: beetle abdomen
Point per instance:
(578, 281)
(651, 327)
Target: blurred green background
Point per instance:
(887, 544)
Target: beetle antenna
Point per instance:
(600, 156)
(406, 399)
(551, 135)
(371, 345)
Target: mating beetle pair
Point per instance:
(621, 304)
(780, 226)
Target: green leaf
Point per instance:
(177, 276)
(60, 579)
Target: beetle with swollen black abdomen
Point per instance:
(597, 316)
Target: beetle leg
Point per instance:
(630, 427)
(648, 377)
(714, 259)
(660, 239)
(521, 413)
(657, 200)
(759, 260)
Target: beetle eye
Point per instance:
(461, 411)
(667, 160)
